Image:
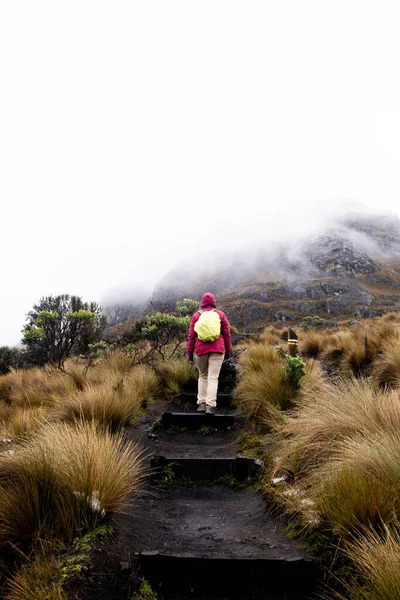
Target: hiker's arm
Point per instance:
(226, 333)
(191, 336)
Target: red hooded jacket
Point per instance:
(222, 344)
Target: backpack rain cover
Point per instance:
(208, 327)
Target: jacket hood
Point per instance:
(208, 299)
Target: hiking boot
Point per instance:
(210, 410)
(201, 407)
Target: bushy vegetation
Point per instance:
(268, 385)
(312, 322)
(67, 478)
(65, 464)
(333, 466)
(11, 358)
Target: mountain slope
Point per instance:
(349, 271)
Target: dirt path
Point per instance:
(196, 539)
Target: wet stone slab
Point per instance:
(212, 521)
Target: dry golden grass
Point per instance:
(335, 346)
(256, 356)
(67, 478)
(114, 403)
(391, 318)
(310, 433)
(313, 383)
(101, 403)
(22, 422)
(355, 349)
(262, 391)
(261, 395)
(176, 373)
(359, 486)
(311, 344)
(34, 387)
(376, 557)
(36, 581)
(77, 373)
(142, 384)
(117, 361)
(386, 368)
(357, 357)
(271, 336)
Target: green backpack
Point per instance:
(208, 326)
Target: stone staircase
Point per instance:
(217, 538)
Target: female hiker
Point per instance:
(209, 342)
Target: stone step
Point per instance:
(219, 541)
(229, 578)
(208, 469)
(223, 398)
(196, 420)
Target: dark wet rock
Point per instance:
(305, 308)
(283, 315)
(331, 253)
(249, 311)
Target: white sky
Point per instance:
(121, 121)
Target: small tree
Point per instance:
(11, 358)
(59, 326)
(165, 332)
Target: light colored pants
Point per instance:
(209, 366)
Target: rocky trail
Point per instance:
(200, 529)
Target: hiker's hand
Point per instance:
(190, 357)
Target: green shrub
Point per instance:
(295, 369)
(312, 322)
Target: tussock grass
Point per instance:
(5, 412)
(176, 373)
(359, 354)
(142, 383)
(33, 387)
(102, 404)
(376, 557)
(36, 581)
(335, 346)
(256, 356)
(359, 487)
(386, 368)
(310, 432)
(118, 401)
(67, 478)
(262, 391)
(261, 395)
(391, 318)
(271, 336)
(354, 350)
(77, 373)
(117, 361)
(22, 422)
(311, 344)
